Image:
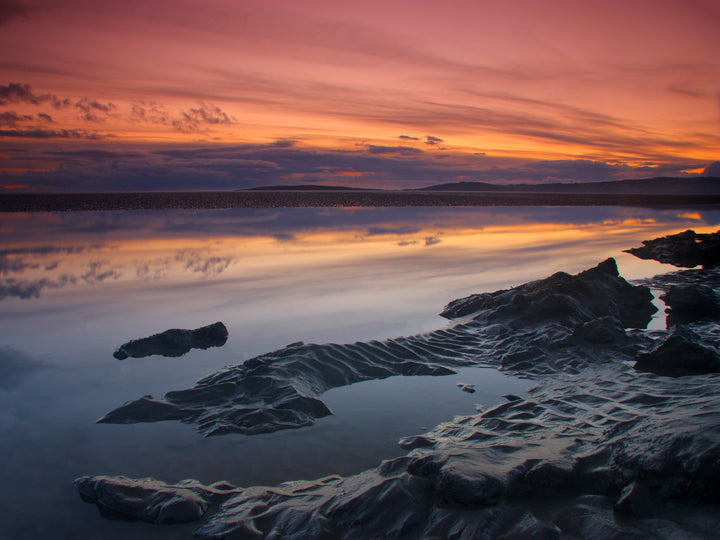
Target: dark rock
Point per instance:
(683, 352)
(410, 443)
(550, 465)
(174, 342)
(686, 249)
(150, 500)
(487, 474)
(531, 528)
(603, 330)
(691, 303)
(570, 300)
(638, 501)
(466, 387)
(146, 407)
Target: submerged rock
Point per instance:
(282, 389)
(174, 342)
(683, 352)
(686, 249)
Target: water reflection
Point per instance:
(49, 252)
(75, 286)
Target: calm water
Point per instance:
(75, 286)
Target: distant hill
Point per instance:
(661, 185)
(304, 187)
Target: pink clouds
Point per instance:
(623, 81)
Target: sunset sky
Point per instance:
(226, 94)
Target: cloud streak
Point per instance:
(565, 81)
(209, 166)
(22, 93)
(50, 134)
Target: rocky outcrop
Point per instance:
(562, 463)
(691, 303)
(150, 500)
(683, 352)
(686, 249)
(174, 342)
(596, 450)
(563, 298)
(537, 328)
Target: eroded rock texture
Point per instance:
(561, 323)
(596, 450)
(562, 298)
(608, 453)
(683, 352)
(174, 342)
(686, 249)
(150, 500)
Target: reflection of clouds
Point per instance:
(14, 265)
(206, 266)
(31, 288)
(12, 288)
(15, 260)
(95, 274)
(383, 230)
(154, 270)
(49, 250)
(14, 366)
(173, 245)
(294, 222)
(432, 240)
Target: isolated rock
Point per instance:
(683, 352)
(686, 249)
(174, 342)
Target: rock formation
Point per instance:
(535, 328)
(174, 342)
(686, 249)
(596, 449)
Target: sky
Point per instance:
(227, 94)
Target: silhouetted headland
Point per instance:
(654, 192)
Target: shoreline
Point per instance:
(74, 202)
(620, 450)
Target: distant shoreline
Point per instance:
(64, 202)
